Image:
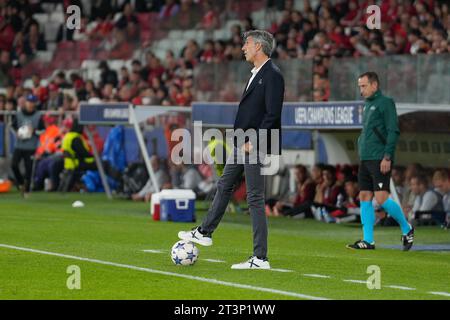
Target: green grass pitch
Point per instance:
(106, 239)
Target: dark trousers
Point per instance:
(255, 198)
(26, 156)
(49, 167)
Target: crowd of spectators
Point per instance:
(339, 30)
(331, 194)
(331, 29)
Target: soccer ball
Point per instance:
(24, 132)
(184, 253)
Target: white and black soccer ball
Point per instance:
(24, 132)
(184, 253)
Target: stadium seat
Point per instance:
(44, 55)
(200, 36)
(175, 34)
(66, 45)
(259, 19)
(219, 34)
(57, 17)
(41, 18)
(51, 31)
(189, 34)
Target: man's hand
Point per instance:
(385, 166)
(247, 148)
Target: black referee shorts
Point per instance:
(370, 177)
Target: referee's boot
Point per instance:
(408, 239)
(361, 245)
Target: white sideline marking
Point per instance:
(355, 281)
(400, 287)
(153, 251)
(313, 275)
(280, 270)
(445, 294)
(214, 260)
(173, 274)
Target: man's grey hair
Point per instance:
(262, 37)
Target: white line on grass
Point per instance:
(390, 286)
(153, 251)
(355, 281)
(173, 274)
(214, 260)
(280, 270)
(313, 275)
(445, 294)
(399, 287)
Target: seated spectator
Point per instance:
(39, 90)
(207, 53)
(128, 22)
(209, 19)
(162, 179)
(187, 16)
(64, 33)
(350, 210)
(55, 98)
(107, 75)
(121, 47)
(300, 203)
(398, 177)
(441, 183)
(190, 178)
(48, 152)
(409, 197)
(153, 68)
(34, 40)
(428, 205)
(168, 10)
(61, 81)
(329, 196)
(100, 28)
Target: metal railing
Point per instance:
(406, 78)
(226, 81)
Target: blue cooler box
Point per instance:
(177, 205)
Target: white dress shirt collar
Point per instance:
(254, 72)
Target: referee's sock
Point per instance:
(368, 220)
(396, 212)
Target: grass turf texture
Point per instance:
(118, 230)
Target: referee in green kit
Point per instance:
(376, 148)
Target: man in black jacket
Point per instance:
(257, 134)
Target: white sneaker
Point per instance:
(252, 263)
(195, 236)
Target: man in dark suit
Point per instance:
(257, 135)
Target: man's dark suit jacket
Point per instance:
(261, 104)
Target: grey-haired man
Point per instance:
(259, 111)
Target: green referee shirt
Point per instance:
(379, 136)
